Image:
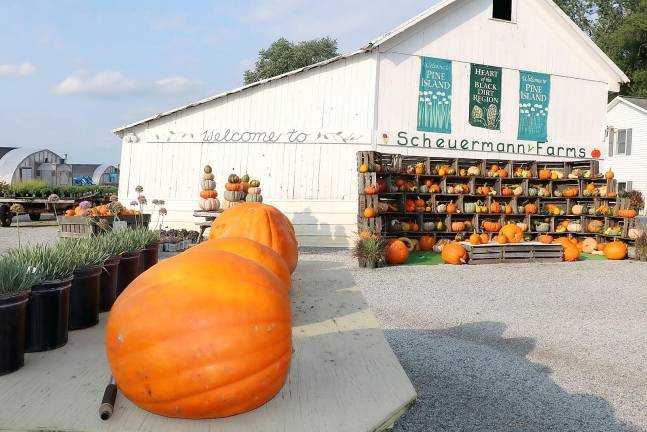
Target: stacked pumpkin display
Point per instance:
(208, 196)
(234, 191)
(208, 333)
(254, 192)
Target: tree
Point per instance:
(581, 12)
(285, 56)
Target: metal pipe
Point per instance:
(108, 401)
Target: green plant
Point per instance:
(370, 249)
(85, 252)
(49, 262)
(15, 277)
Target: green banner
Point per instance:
(485, 96)
(534, 98)
(435, 95)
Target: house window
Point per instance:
(502, 10)
(622, 141)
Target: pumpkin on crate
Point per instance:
(589, 244)
(545, 174)
(530, 208)
(501, 239)
(512, 233)
(491, 226)
(485, 238)
(369, 213)
(239, 345)
(396, 253)
(454, 253)
(475, 239)
(595, 226)
(451, 207)
(206, 194)
(545, 238)
(628, 213)
(262, 223)
(458, 226)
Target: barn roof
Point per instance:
(10, 161)
(640, 103)
(442, 4)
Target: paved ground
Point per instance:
(44, 231)
(552, 347)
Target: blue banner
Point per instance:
(534, 99)
(435, 96)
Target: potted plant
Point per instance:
(369, 251)
(130, 247)
(85, 290)
(15, 284)
(49, 300)
(109, 279)
(150, 253)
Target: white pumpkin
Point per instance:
(589, 244)
(228, 204)
(634, 233)
(210, 204)
(254, 190)
(577, 209)
(441, 208)
(473, 171)
(522, 226)
(574, 227)
(518, 191)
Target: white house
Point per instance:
(627, 142)
(470, 78)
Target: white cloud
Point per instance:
(102, 83)
(116, 83)
(176, 85)
(17, 70)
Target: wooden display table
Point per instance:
(209, 217)
(344, 376)
(493, 253)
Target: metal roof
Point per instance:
(10, 161)
(639, 103)
(370, 47)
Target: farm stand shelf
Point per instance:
(402, 192)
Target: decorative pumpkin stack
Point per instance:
(254, 192)
(208, 196)
(234, 193)
(225, 345)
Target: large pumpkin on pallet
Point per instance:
(246, 248)
(454, 253)
(200, 338)
(262, 223)
(615, 250)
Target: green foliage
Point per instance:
(15, 278)
(285, 56)
(619, 27)
(49, 262)
(40, 189)
(370, 249)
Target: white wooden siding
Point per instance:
(633, 167)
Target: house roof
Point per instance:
(442, 4)
(639, 103)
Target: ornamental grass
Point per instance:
(48, 263)
(15, 277)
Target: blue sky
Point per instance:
(71, 71)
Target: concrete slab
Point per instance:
(344, 376)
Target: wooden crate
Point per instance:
(365, 180)
(83, 227)
(514, 253)
(373, 225)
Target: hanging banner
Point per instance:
(435, 95)
(485, 96)
(534, 98)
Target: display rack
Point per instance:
(395, 216)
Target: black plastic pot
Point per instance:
(48, 314)
(84, 298)
(149, 256)
(13, 315)
(128, 269)
(108, 283)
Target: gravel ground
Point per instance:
(551, 347)
(44, 231)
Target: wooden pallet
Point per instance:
(518, 252)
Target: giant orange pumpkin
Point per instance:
(262, 223)
(396, 253)
(512, 233)
(245, 248)
(571, 253)
(200, 338)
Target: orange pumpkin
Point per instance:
(501, 239)
(420, 203)
(458, 226)
(426, 243)
(452, 208)
(545, 238)
(200, 338)
(490, 226)
(601, 246)
(70, 213)
(512, 233)
(233, 187)
(246, 248)
(369, 213)
(530, 208)
(371, 190)
(628, 213)
(475, 239)
(545, 174)
(363, 168)
(207, 194)
(262, 223)
(502, 173)
(615, 250)
(485, 239)
(571, 253)
(506, 191)
(396, 253)
(454, 253)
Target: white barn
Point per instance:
(299, 132)
(627, 142)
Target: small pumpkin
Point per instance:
(208, 184)
(518, 191)
(254, 198)
(458, 226)
(545, 174)
(485, 239)
(207, 169)
(363, 168)
(469, 207)
(495, 207)
(473, 171)
(254, 190)
(491, 226)
(234, 196)
(577, 209)
(70, 213)
(369, 213)
(475, 239)
(370, 190)
(206, 194)
(454, 253)
(609, 175)
(426, 243)
(571, 253)
(396, 253)
(530, 208)
(628, 213)
(501, 239)
(209, 204)
(545, 238)
(233, 178)
(209, 176)
(451, 207)
(233, 187)
(254, 183)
